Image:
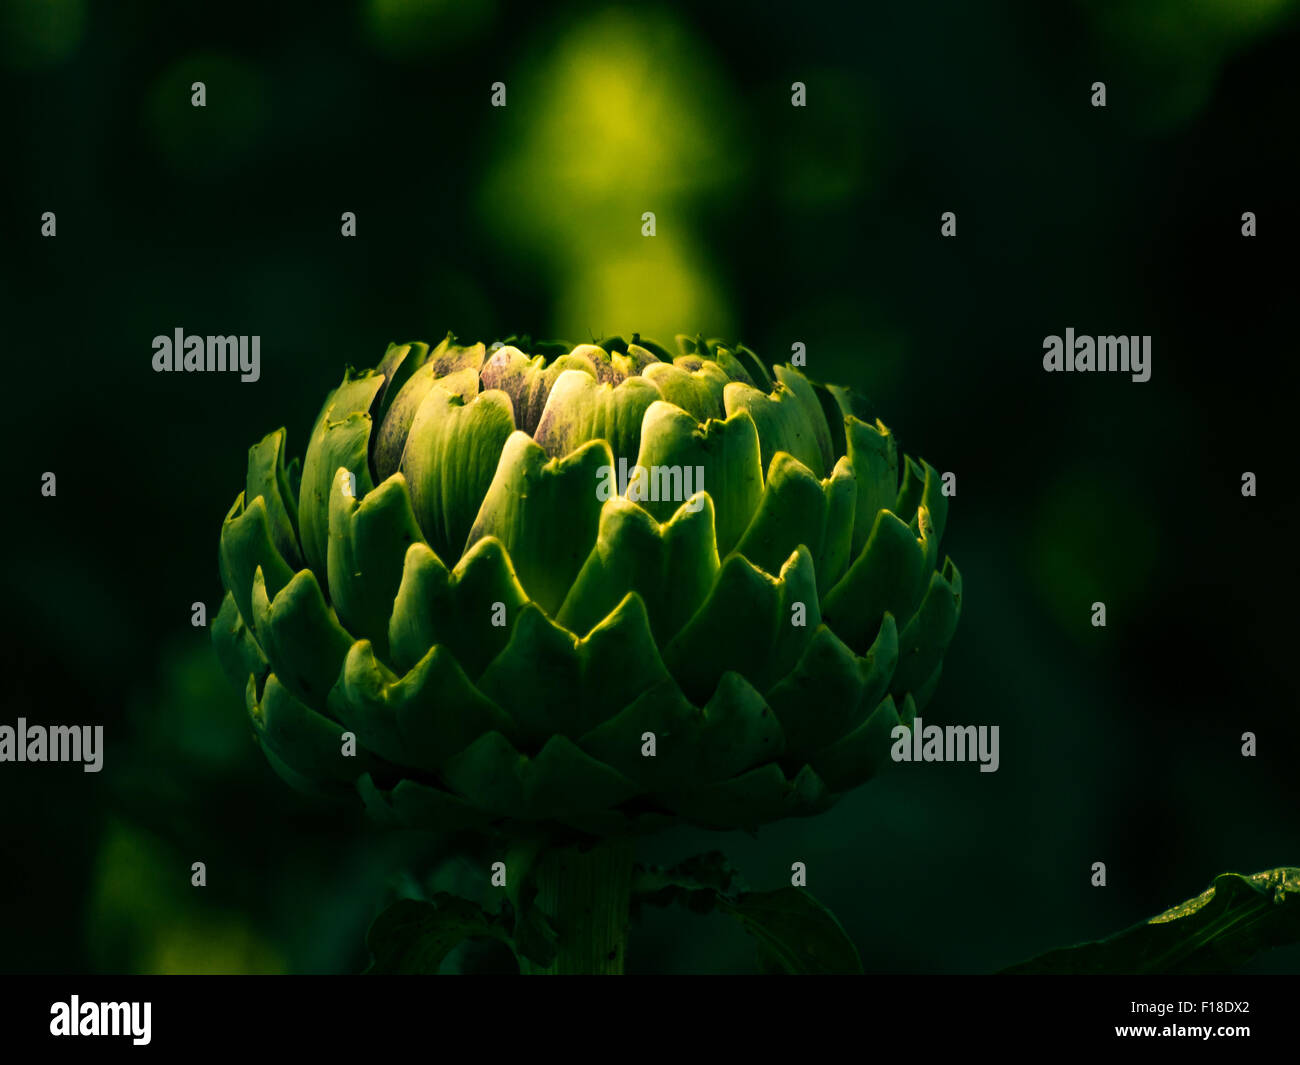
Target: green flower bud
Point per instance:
(588, 591)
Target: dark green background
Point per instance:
(776, 225)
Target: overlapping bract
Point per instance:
(445, 580)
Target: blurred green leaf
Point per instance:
(1219, 930)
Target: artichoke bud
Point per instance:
(574, 591)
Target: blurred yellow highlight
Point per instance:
(622, 115)
(143, 910)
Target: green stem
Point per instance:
(586, 893)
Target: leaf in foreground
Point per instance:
(415, 937)
(1218, 931)
(795, 933)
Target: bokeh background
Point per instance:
(775, 225)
